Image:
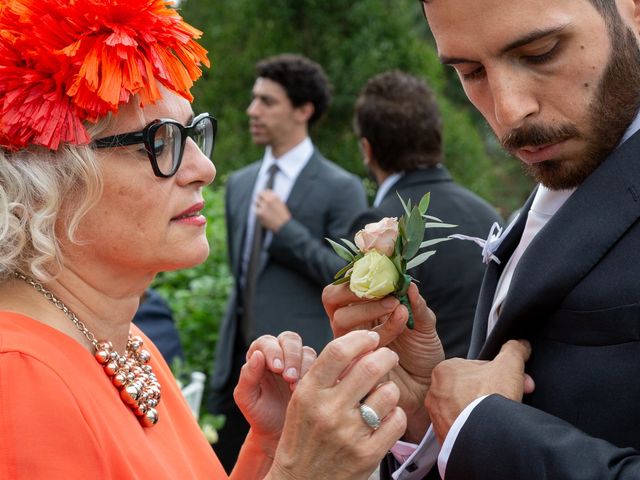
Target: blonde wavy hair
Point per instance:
(44, 194)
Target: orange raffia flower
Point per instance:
(66, 62)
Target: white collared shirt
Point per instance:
(289, 167)
(385, 186)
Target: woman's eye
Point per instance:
(158, 147)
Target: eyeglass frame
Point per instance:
(147, 134)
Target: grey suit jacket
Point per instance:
(450, 280)
(575, 296)
(323, 203)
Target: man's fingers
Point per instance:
(529, 384)
(515, 351)
(338, 355)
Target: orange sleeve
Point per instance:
(43, 433)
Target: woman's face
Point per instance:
(144, 224)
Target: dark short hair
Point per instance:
(399, 116)
(303, 79)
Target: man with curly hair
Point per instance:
(279, 211)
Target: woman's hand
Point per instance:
(325, 436)
(273, 368)
(419, 349)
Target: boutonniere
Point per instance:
(382, 253)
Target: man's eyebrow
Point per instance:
(519, 42)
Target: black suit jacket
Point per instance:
(323, 203)
(575, 296)
(450, 280)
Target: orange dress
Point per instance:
(61, 418)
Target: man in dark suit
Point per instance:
(400, 129)
(279, 280)
(550, 390)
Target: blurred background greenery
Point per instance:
(353, 40)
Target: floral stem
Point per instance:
(404, 300)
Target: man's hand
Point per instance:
(272, 212)
(455, 383)
(419, 349)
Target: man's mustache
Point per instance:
(535, 135)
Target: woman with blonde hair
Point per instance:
(102, 166)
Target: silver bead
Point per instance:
(130, 394)
(107, 346)
(111, 368)
(144, 356)
(119, 379)
(150, 418)
(102, 356)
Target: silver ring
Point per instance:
(369, 416)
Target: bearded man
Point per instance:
(550, 389)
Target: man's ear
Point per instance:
(630, 14)
(367, 151)
(305, 111)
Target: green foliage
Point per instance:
(198, 295)
(353, 41)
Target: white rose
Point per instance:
(374, 276)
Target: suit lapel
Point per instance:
(296, 200)
(575, 239)
(491, 277)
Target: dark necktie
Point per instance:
(253, 267)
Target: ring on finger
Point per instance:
(369, 416)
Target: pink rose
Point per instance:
(380, 236)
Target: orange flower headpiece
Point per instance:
(63, 62)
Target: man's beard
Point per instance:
(615, 104)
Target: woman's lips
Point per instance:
(191, 216)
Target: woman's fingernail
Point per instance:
(374, 335)
(292, 373)
(277, 364)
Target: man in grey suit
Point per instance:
(551, 387)
(399, 126)
(279, 211)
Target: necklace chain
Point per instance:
(58, 303)
(130, 373)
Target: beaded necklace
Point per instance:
(130, 373)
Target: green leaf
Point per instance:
(341, 251)
(350, 244)
(431, 217)
(434, 241)
(344, 270)
(342, 280)
(439, 225)
(420, 259)
(414, 234)
(407, 210)
(424, 203)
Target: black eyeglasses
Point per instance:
(164, 140)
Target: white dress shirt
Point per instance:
(385, 186)
(289, 167)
